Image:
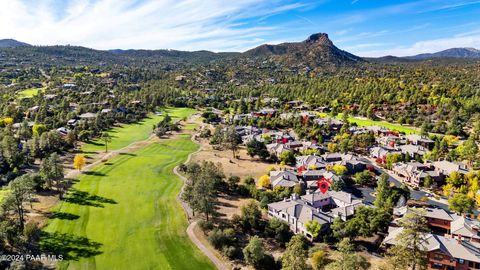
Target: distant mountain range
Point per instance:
(317, 50)
(449, 53)
(12, 43)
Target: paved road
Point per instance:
(218, 263)
(365, 192)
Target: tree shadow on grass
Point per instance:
(94, 173)
(63, 215)
(71, 247)
(84, 198)
(89, 153)
(128, 154)
(96, 143)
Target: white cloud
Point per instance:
(450, 6)
(151, 24)
(427, 46)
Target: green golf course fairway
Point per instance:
(124, 214)
(28, 93)
(125, 135)
(368, 122)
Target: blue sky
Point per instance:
(363, 27)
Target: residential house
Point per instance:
(351, 162)
(297, 213)
(416, 172)
(443, 252)
(420, 140)
(334, 124)
(412, 150)
(277, 148)
(311, 177)
(379, 153)
(465, 228)
(63, 131)
(72, 122)
(447, 167)
(88, 115)
(310, 161)
(388, 141)
(454, 226)
(284, 178)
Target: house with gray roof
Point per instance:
(421, 140)
(310, 161)
(448, 167)
(465, 228)
(297, 213)
(443, 252)
(412, 150)
(416, 172)
(284, 179)
(278, 148)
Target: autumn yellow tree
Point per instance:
(332, 147)
(79, 162)
(7, 121)
(264, 181)
(339, 169)
(271, 168)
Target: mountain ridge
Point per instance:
(316, 50)
(12, 43)
(460, 52)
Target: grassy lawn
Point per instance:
(28, 93)
(127, 134)
(367, 122)
(124, 214)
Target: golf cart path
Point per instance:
(189, 214)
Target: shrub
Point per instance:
(219, 238)
(279, 230)
(216, 238)
(230, 251)
(319, 260)
(249, 181)
(236, 220)
(205, 225)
